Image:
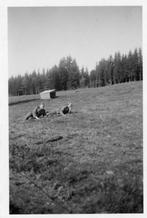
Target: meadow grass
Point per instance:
(96, 166)
(22, 99)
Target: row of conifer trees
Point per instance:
(67, 75)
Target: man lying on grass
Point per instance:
(63, 111)
(66, 109)
(37, 112)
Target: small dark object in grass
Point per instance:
(38, 143)
(55, 139)
(50, 140)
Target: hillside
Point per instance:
(96, 163)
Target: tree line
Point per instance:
(67, 75)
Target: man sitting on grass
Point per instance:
(37, 112)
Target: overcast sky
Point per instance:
(38, 37)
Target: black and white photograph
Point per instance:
(75, 109)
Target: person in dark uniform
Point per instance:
(37, 112)
(63, 111)
(66, 109)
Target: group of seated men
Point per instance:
(40, 111)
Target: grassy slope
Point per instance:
(22, 99)
(95, 168)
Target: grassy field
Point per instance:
(90, 161)
(22, 99)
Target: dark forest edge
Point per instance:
(67, 75)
